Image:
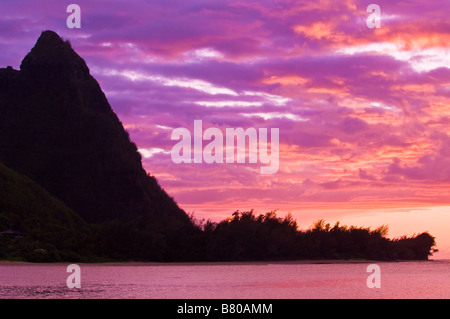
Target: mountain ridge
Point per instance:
(61, 131)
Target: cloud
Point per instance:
(360, 111)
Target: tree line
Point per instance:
(247, 236)
(35, 226)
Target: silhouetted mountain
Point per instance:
(58, 129)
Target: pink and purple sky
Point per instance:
(364, 114)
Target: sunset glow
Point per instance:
(363, 114)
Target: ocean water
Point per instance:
(430, 279)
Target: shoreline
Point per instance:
(206, 263)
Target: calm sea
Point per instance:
(222, 281)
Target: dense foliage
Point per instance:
(52, 232)
(246, 236)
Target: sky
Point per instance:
(363, 113)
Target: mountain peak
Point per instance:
(53, 58)
(59, 129)
(49, 38)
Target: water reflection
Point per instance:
(399, 280)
